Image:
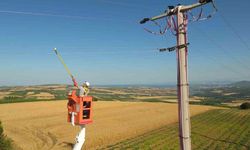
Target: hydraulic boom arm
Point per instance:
(65, 66)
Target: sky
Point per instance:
(102, 42)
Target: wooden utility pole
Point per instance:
(181, 52)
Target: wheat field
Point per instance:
(42, 125)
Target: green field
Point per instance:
(224, 129)
(5, 142)
(59, 92)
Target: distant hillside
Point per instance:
(59, 92)
(208, 94)
(236, 93)
(32, 93)
(241, 84)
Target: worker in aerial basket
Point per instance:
(84, 89)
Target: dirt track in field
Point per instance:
(43, 126)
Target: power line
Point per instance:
(237, 35)
(124, 4)
(62, 16)
(43, 14)
(214, 43)
(117, 52)
(223, 65)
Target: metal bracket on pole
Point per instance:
(173, 10)
(170, 49)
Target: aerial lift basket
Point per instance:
(81, 107)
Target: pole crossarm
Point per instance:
(174, 10)
(170, 49)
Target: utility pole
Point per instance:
(182, 77)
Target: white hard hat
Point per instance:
(87, 83)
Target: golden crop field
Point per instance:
(42, 125)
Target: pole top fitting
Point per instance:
(144, 20)
(205, 1)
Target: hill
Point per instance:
(241, 84)
(59, 92)
(230, 94)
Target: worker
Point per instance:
(84, 89)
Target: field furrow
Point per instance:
(216, 130)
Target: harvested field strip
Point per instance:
(216, 129)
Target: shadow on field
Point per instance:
(221, 140)
(68, 144)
